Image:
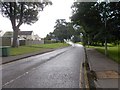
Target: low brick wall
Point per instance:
(30, 42)
(5, 41)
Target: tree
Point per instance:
(60, 30)
(100, 21)
(70, 30)
(50, 36)
(21, 12)
(65, 30)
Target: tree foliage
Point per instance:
(63, 30)
(60, 30)
(99, 20)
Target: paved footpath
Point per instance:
(106, 70)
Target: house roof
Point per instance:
(1, 33)
(8, 34)
(25, 32)
(37, 37)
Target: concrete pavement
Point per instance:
(106, 70)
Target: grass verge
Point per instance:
(34, 48)
(113, 51)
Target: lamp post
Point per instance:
(106, 1)
(105, 21)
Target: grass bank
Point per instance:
(34, 48)
(113, 51)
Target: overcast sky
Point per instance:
(61, 9)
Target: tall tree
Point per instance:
(99, 20)
(70, 30)
(60, 30)
(21, 12)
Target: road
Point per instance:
(56, 69)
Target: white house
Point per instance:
(36, 37)
(26, 35)
(23, 35)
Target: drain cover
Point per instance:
(108, 74)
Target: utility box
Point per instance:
(4, 51)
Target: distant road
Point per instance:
(56, 69)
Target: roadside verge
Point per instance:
(9, 59)
(18, 57)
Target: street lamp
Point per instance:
(106, 1)
(105, 20)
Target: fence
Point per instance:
(30, 42)
(5, 41)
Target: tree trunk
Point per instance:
(15, 37)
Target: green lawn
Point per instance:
(113, 52)
(33, 48)
(51, 46)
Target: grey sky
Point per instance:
(61, 9)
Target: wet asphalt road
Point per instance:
(57, 69)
